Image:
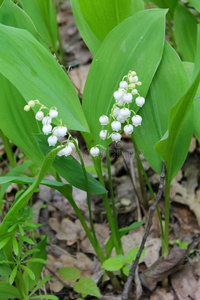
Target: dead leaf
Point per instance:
(161, 294)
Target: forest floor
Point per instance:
(69, 246)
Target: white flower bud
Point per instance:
(27, 108)
(46, 120)
(103, 134)
(127, 98)
(60, 131)
(134, 92)
(94, 151)
(133, 73)
(137, 120)
(67, 150)
(52, 140)
(103, 120)
(123, 84)
(128, 129)
(140, 101)
(47, 129)
(116, 137)
(39, 115)
(31, 103)
(139, 83)
(116, 112)
(71, 144)
(133, 79)
(116, 125)
(118, 94)
(53, 113)
(125, 113)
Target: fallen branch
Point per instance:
(136, 261)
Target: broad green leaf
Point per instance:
(123, 50)
(69, 273)
(5, 270)
(37, 75)
(36, 267)
(136, 5)
(189, 69)
(87, 34)
(8, 292)
(126, 270)
(12, 15)
(185, 24)
(114, 263)
(103, 15)
(169, 148)
(87, 286)
(43, 14)
(167, 87)
(13, 275)
(70, 169)
(196, 4)
(131, 255)
(171, 4)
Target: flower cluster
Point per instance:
(121, 116)
(54, 132)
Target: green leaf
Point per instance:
(35, 260)
(43, 14)
(40, 284)
(114, 263)
(27, 240)
(50, 297)
(29, 272)
(4, 241)
(186, 39)
(121, 51)
(13, 275)
(170, 145)
(70, 169)
(126, 270)
(167, 87)
(5, 270)
(15, 246)
(36, 267)
(87, 286)
(87, 34)
(37, 75)
(69, 273)
(12, 15)
(196, 4)
(136, 5)
(29, 252)
(8, 292)
(103, 15)
(131, 255)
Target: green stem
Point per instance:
(150, 188)
(8, 149)
(165, 242)
(111, 221)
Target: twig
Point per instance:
(152, 209)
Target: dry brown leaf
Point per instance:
(161, 294)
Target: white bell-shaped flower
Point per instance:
(47, 129)
(116, 137)
(116, 125)
(52, 140)
(39, 115)
(134, 92)
(120, 102)
(103, 120)
(94, 151)
(60, 131)
(67, 150)
(120, 118)
(125, 113)
(46, 120)
(53, 113)
(61, 152)
(136, 120)
(123, 84)
(71, 144)
(127, 98)
(116, 112)
(31, 103)
(128, 129)
(118, 94)
(103, 134)
(140, 101)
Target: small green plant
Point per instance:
(84, 286)
(120, 262)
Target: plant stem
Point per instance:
(115, 235)
(8, 149)
(151, 191)
(165, 241)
